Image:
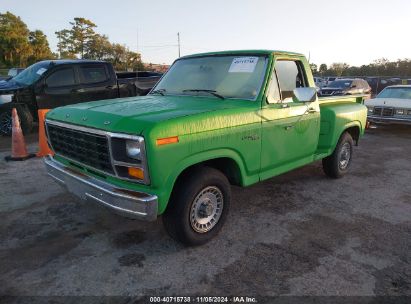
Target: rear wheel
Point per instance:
(337, 164)
(198, 207)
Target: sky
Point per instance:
(353, 31)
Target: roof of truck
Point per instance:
(72, 61)
(243, 52)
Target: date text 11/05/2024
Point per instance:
(203, 299)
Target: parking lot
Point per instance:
(297, 234)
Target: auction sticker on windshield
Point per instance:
(41, 71)
(243, 65)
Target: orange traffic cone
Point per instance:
(44, 149)
(18, 145)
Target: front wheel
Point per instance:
(337, 164)
(198, 206)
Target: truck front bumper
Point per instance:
(129, 203)
(389, 120)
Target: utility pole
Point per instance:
(178, 38)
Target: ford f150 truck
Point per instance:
(53, 83)
(214, 119)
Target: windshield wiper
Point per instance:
(159, 91)
(212, 92)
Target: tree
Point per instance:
(19, 46)
(76, 40)
(323, 69)
(40, 48)
(99, 48)
(65, 45)
(14, 43)
(314, 68)
(82, 41)
(338, 68)
(82, 32)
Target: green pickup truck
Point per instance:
(214, 119)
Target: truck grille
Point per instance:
(86, 148)
(326, 92)
(382, 111)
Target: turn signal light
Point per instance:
(167, 140)
(136, 172)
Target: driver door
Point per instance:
(290, 129)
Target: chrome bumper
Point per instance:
(129, 203)
(389, 120)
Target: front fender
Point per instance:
(202, 157)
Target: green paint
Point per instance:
(252, 136)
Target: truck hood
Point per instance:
(9, 86)
(389, 102)
(335, 88)
(134, 114)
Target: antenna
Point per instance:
(179, 49)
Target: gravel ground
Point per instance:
(297, 234)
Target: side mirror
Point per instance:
(305, 94)
(353, 86)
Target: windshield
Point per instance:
(226, 76)
(32, 73)
(400, 92)
(340, 84)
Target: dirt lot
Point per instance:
(296, 234)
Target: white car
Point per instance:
(392, 105)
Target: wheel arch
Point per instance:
(226, 161)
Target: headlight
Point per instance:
(133, 149)
(129, 157)
(409, 112)
(370, 109)
(399, 112)
(5, 98)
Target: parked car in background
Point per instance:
(319, 82)
(346, 87)
(14, 72)
(215, 119)
(11, 73)
(54, 83)
(378, 84)
(328, 80)
(391, 106)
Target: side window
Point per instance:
(290, 76)
(93, 74)
(273, 95)
(61, 78)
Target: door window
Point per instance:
(93, 74)
(290, 76)
(61, 78)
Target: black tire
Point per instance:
(26, 120)
(180, 216)
(337, 164)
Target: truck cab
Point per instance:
(54, 83)
(213, 120)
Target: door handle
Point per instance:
(74, 90)
(312, 110)
(288, 127)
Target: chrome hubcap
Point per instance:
(206, 209)
(345, 156)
